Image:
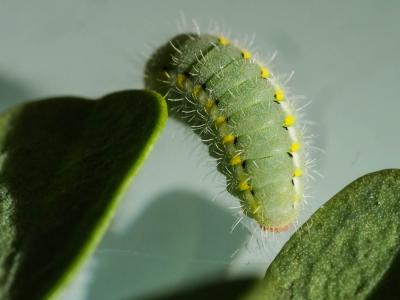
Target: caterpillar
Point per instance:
(242, 113)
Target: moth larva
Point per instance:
(238, 107)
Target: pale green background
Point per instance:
(346, 55)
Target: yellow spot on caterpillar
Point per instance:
(297, 172)
(220, 120)
(181, 81)
(236, 160)
(264, 72)
(294, 147)
(209, 104)
(228, 139)
(246, 54)
(223, 41)
(243, 185)
(289, 120)
(197, 90)
(279, 95)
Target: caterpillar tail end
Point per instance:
(277, 229)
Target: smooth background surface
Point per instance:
(168, 232)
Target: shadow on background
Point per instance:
(12, 92)
(181, 237)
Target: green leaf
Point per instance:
(389, 287)
(346, 247)
(64, 165)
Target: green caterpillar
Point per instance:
(238, 108)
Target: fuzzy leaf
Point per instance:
(345, 249)
(389, 287)
(64, 164)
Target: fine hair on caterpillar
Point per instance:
(245, 115)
